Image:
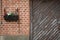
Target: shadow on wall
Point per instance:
(47, 0)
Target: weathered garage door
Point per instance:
(45, 19)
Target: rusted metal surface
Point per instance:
(44, 19)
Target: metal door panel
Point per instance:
(44, 19)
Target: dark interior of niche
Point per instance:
(10, 18)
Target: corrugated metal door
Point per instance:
(45, 19)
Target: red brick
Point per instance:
(12, 28)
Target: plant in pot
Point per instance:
(10, 16)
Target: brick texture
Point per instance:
(13, 28)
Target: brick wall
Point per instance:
(13, 28)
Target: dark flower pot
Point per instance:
(11, 17)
